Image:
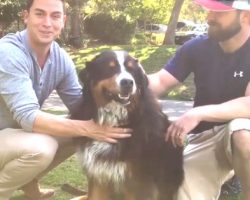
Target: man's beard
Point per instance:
(216, 32)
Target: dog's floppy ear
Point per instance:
(143, 76)
(88, 71)
(84, 74)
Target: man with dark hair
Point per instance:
(32, 64)
(29, 3)
(218, 127)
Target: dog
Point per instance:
(143, 166)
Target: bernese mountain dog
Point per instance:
(142, 167)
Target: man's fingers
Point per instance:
(118, 135)
(168, 135)
(174, 133)
(112, 135)
(111, 140)
(120, 130)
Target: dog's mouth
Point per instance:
(121, 97)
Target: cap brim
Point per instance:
(214, 5)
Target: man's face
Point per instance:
(223, 25)
(44, 21)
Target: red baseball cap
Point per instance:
(224, 5)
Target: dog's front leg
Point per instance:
(98, 192)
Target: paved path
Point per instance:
(175, 108)
(54, 103)
(171, 107)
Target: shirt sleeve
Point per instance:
(69, 89)
(16, 87)
(180, 65)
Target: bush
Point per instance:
(116, 30)
(148, 38)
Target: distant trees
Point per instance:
(9, 11)
(140, 11)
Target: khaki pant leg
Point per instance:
(22, 157)
(206, 165)
(66, 148)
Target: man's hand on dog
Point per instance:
(105, 133)
(178, 130)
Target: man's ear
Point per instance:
(245, 16)
(64, 20)
(25, 15)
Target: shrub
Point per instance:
(117, 30)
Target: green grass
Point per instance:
(152, 58)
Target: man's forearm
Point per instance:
(56, 126)
(236, 108)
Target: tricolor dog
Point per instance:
(142, 167)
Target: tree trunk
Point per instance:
(170, 33)
(75, 24)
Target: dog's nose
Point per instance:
(126, 83)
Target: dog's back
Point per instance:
(143, 166)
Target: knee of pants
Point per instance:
(41, 148)
(240, 143)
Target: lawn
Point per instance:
(152, 58)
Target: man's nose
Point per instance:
(47, 21)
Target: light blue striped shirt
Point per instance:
(24, 86)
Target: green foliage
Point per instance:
(142, 38)
(117, 29)
(10, 10)
(152, 11)
(142, 10)
(192, 11)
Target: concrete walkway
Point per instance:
(171, 107)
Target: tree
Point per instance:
(75, 22)
(170, 33)
(9, 12)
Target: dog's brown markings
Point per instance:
(97, 91)
(112, 63)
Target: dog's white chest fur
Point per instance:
(113, 114)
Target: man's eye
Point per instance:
(38, 14)
(56, 16)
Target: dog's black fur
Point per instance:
(142, 167)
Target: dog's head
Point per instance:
(114, 76)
